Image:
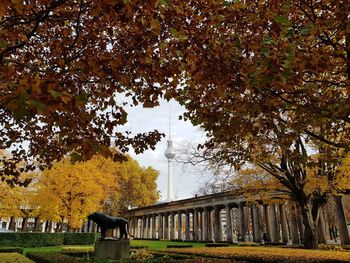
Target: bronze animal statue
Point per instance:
(110, 222)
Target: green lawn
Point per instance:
(158, 245)
(151, 244)
(41, 249)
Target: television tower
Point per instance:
(170, 155)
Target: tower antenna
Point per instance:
(170, 155)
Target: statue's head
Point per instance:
(92, 216)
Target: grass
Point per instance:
(160, 245)
(41, 249)
(14, 258)
(233, 252)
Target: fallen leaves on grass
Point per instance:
(266, 254)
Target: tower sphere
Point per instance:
(169, 152)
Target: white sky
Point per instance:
(185, 181)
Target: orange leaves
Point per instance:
(269, 254)
(155, 25)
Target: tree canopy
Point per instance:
(68, 192)
(64, 64)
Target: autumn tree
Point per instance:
(134, 186)
(71, 191)
(11, 202)
(63, 63)
(253, 78)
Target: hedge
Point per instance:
(217, 244)
(178, 245)
(19, 239)
(79, 238)
(53, 258)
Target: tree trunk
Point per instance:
(25, 224)
(12, 224)
(37, 225)
(310, 229)
(344, 233)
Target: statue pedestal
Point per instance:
(112, 249)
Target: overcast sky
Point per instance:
(185, 181)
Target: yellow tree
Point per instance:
(11, 200)
(71, 191)
(134, 186)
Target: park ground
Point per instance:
(145, 251)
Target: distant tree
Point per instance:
(72, 191)
(69, 192)
(134, 186)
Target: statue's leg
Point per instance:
(122, 231)
(103, 232)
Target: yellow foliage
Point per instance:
(134, 186)
(70, 191)
(257, 184)
(267, 254)
(342, 181)
(11, 200)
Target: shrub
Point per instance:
(178, 245)
(216, 244)
(248, 244)
(139, 247)
(330, 247)
(79, 254)
(79, 238)
(30, 239)
(141, 255)
(78, 249)
(53, 258)
(19, 239)
(18, 250)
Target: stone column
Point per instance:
(285, 236)
(205, 224)
(144, 227)
(294, 231)
(172, 225)
(154, 226)
(160, 226)
(179, 222)
(188, 231)
(228, 224)
(210, 225)
(241, 223)
(166, 226)
(136, 227)
(256, 224)
(344, 233)
(201, 225)
(268, 223)
(150, 228)
(321, 228)
(275, 229)
(301, 228)
(217, 224)
(195, 224)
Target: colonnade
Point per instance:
(227, 222)
(223, 217)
